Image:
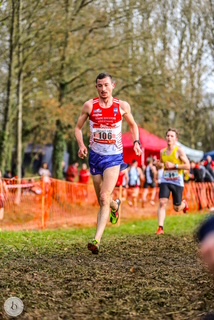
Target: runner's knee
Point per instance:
(163, 203)
(105, 198)
(177, 208)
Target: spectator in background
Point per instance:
(37, 161)
(123, 180)
(72, 172)
(209, 187)
(135, 177)
(209, 164)
(64, 170)
(84, 174)
(150, 181)
(8, 174)
(3, 195)
(45, 172)
(196, 173)
(207, 176)
(14, 170)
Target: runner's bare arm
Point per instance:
(185, 165)
(87, 107)
(159, 163)
(126, 113)
(141, 174)
(127, 177)
(154, 170)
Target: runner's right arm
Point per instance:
(159, 164)
(83, 151)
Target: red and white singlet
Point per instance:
(106, 128)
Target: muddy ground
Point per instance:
(141, 277)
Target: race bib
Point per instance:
(104, 136)
(171, 175)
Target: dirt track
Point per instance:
(144, 277)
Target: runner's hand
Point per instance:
(169, 165)
(158, 164)
(83, 152)
(137, 149)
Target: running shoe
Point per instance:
(186, 208)
(114, 214)
(160, 231)
(93, 246)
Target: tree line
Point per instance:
(160, 53)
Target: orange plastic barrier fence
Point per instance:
(37, 204)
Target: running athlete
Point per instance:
(173, 160)
(105, 114)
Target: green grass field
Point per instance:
(176, 225)
(137, 275)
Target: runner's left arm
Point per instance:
(182, 155)
(126, 112)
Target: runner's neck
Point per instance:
(106, 103)
(170, 148)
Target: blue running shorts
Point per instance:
(99, 163)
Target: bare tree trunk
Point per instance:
(19, 100)
(59, 139)
(7, 110)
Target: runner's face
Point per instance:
(171, 138)
(105, 87)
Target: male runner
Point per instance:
(105, 114)
(174, 160)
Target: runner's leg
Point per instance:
(163, 198)
(177, 194)
(104, 191)
(162, 211)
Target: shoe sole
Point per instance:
(93, 248)
(114, 220)
(186, 209)
(116, 215)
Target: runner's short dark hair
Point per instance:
(174, 130)
(103, 76)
